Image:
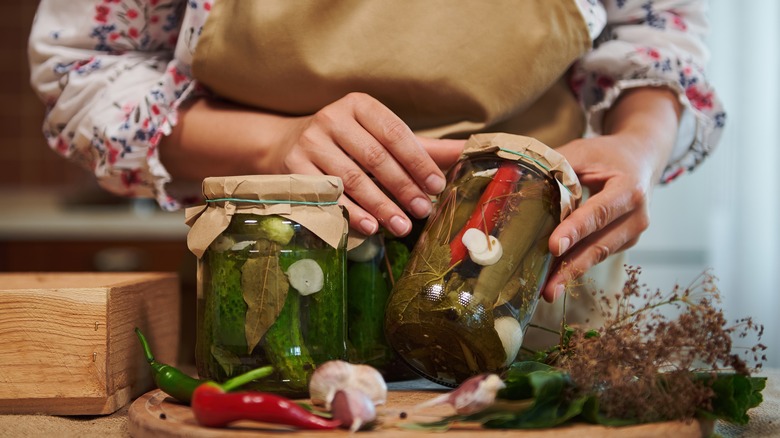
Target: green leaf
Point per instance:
(735, 394)
(226, 359)
(265, 288)
(442, 425)
(398, 255)
(592, 414)
(546, 386)
(517, 380)
(550, 407)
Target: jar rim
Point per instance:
(269, 189)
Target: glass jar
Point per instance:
(271, 278)
(475, 275)
(373, 267)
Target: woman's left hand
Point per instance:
(619, 171)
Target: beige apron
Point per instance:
(448, 68)
(437, 64)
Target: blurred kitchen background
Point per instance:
(724, 217)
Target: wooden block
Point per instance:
(67, 340)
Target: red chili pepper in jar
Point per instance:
(488, 208)
(214, 407)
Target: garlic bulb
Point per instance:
(370, 381)
(336, 375)
(327, 379)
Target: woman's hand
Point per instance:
(619, 171)
(360, 140)
(355, 138)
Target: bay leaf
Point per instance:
(265, 289)
(226, 359)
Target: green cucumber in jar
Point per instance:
(397, 255)
(225, 307)
(284, 345)
(517, 235)
(326, 319)
(367, 295)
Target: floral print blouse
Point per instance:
(112, 74)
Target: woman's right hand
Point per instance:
(387, 170)
(370, 148)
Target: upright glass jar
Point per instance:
(271, 278)
(475, 275)
(373, 267)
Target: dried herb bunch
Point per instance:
(648, 366)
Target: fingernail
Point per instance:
(563, 245)
(368, 227)
(434, 184)
(399, 226)
(421, 207)
(558, 292)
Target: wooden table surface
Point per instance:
(765, 421)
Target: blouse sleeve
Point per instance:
(112, 74)
(655, 43)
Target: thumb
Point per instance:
(575, 154)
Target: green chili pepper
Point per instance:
(169, 379)
(181, 386)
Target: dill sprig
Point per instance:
(647, 361)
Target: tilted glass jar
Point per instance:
(475, 275)
(271, 278)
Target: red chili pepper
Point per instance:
(489, 206)
(214, 407)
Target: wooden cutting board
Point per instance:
(156, 415)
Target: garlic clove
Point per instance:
(490, 255)
(511, 335)
(240, 246)
(367, 250)
(475, 240)
(486, 173)
(353, 409)
(221, 244)
(306, 276)
(473, 395)
(476, 393)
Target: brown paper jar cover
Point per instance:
(309, 200)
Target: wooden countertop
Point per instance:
(765, 420)
(51, 215)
